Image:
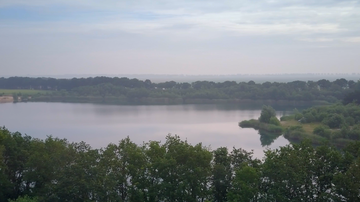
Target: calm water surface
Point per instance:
(98, 125)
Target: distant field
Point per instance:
(22, 91)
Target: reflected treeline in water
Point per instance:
(256, 105)
(103, 109)
(210, 124)
(267, 138)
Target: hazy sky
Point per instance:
(52, 37)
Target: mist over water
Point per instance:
(98, 125)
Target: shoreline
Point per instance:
(6, 99)
(167, 101)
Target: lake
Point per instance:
(98, 125)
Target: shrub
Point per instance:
(321, 117)
(354, 134)
(298, 116)
(275, 121)
(334, 121)
(249, 123)
(350, 120)
(322, 131)
(319, 130)
(337, 135)
(274, 129)
(309, 118)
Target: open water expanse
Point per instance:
(98, 125)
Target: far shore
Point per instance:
(166, 101)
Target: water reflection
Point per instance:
(213, 125)
(267, 138)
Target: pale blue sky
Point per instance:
(179, 37)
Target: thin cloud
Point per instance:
(352, 39)
(173, 36)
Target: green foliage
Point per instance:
(308, 118)
(266, 113)
(106, 89)
(24, 199)
(298, 134)
(275, 121)
(322, 131)
(299, 172)
(296, 128)
(334, 120)
(350, 121)
(348, 182)
(321, 117)
(273, 128)
(352, 97)
(56, 170)
(298, 116)
(354, 134)
(222, 174)
(252, 123)
(336, 117)
(267, 138)
(245, 185)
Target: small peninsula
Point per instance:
(338, 124)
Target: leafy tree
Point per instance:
(334, 120)
(322, 131)
(222, 174)
(350, 121)
(266, 113)
(352, 97)
(343, 83)
(347, 185)
(323, 83)
(245, 186)
(15, 157)
(309, 117)
(54, 170)
(186, 173)
(287, 175)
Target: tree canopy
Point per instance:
(56, 170)
(267, 113)
(125, 90)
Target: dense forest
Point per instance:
(56, 170)
(125, 90)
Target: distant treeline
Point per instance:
(134, 90)
(55, 170)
